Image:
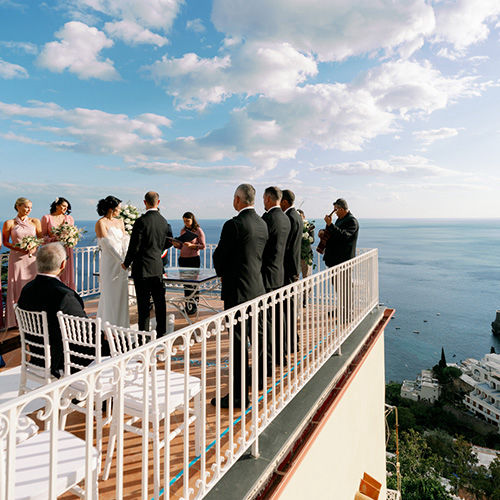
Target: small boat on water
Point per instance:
(416, 331)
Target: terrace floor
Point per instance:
(179, 477)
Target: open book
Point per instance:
(183, 238)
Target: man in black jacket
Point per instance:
(238, 261)
(47, 293)
(340, 247)
(278, 227)
(291, 264)
(273, 271)
(150, 237)
(292, 253)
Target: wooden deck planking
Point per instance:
(133, 442)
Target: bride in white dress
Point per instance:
(113, 282)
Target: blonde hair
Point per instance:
(21, 201)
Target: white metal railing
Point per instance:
(325, 308)
(86, 261)
(87, 265)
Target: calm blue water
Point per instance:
(444, 272)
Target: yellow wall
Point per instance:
(351, 442)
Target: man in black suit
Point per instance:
(292, 259)
(47, 293)
(273, 271)
(238, 261)
(341, 246)
(278, 227)
(150, 237)
(292, 253)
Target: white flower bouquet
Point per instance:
(30, 244)
(129, 214)
(306, 253)
(67, 234)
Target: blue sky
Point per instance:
(391, 104)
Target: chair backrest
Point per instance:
(81, 339)
(35, 347)
(122, 339)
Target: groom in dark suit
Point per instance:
(150, 237)
(47, 293)
(238, 261)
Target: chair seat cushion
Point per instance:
(134, 392)
(33, 462)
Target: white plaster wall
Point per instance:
(352, 441)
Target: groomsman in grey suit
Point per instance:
(150, 237)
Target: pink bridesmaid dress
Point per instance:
(22, 268)
(68, 275)
(1, 288)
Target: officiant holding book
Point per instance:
(190, 254)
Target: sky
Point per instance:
(390, 104)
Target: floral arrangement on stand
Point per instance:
(30, 244)
(306, 253)
(129, 214)
(67, 234)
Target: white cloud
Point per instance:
(153, 13)
(270, 127)
(427, 137)
(271, 70)
(465, 22)
(333, 30)
(88, 130)
(79, 52)
(407, 166)
(187, 170)
(133, 20)
(410, 86)
(28, 47)
(9, 70)
(196, 25)
(133, 33)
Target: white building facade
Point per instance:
(425, 388)
(484, 399)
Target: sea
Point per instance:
(441, 276)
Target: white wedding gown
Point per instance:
(113, 282)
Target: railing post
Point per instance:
(255, 378)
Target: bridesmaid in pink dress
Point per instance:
(59, 214)
(1, 288)
(22, 265)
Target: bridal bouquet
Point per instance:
(307, 238)
(129, 214)
(30, 244)
(68, 234)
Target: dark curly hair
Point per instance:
(106, 203)
(57, 202)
